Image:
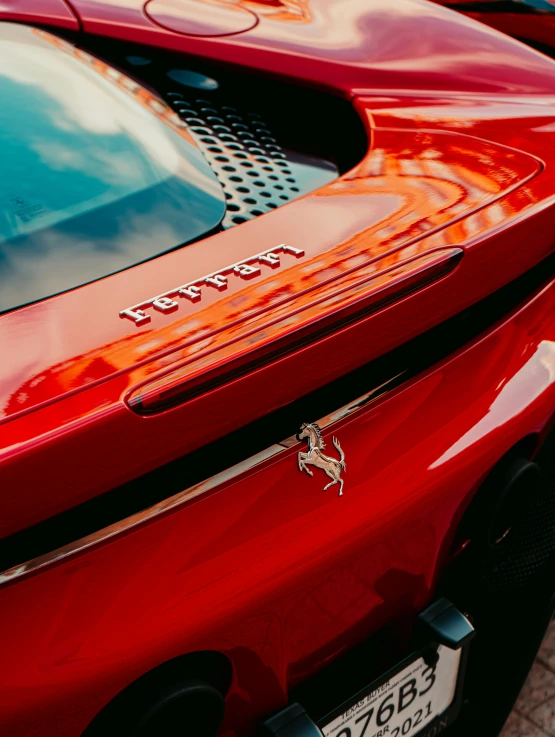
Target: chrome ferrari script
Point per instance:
(247, 269)
(331, 466)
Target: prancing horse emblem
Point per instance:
(331, 466)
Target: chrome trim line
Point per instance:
(136, 519)
(349, 409)
(352, 407)
(180, 498)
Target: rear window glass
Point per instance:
(97, 173)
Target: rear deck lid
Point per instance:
(252, 292)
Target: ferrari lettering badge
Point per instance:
(193, 291)
(330, 466)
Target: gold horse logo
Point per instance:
(331, 466)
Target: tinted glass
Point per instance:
(97, 174)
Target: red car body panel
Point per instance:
(351, 47)
(52, 12)
(534, 24)
(459, 174)
(270, 570)
(118, 362)
(192, 18)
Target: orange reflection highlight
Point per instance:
(284, 11)
(441, 190)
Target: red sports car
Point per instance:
(277, 380)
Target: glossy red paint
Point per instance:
(372, 289)
(269, 569)
(52, 12)
(192, 18)
(349, 46)
(537, 29)
(460, 124)
(122, 358)
(524, 21)
(90, 430)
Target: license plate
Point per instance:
(404, 704)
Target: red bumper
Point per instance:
(265, 566)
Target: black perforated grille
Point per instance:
(257, 175)
(267, 140)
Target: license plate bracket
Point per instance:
(404, 702)
(443, 635)
(421, 695)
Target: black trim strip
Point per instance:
(523, 7)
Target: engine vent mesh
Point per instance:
(256, 174)
(533, 543)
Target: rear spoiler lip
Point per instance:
(183, 383)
